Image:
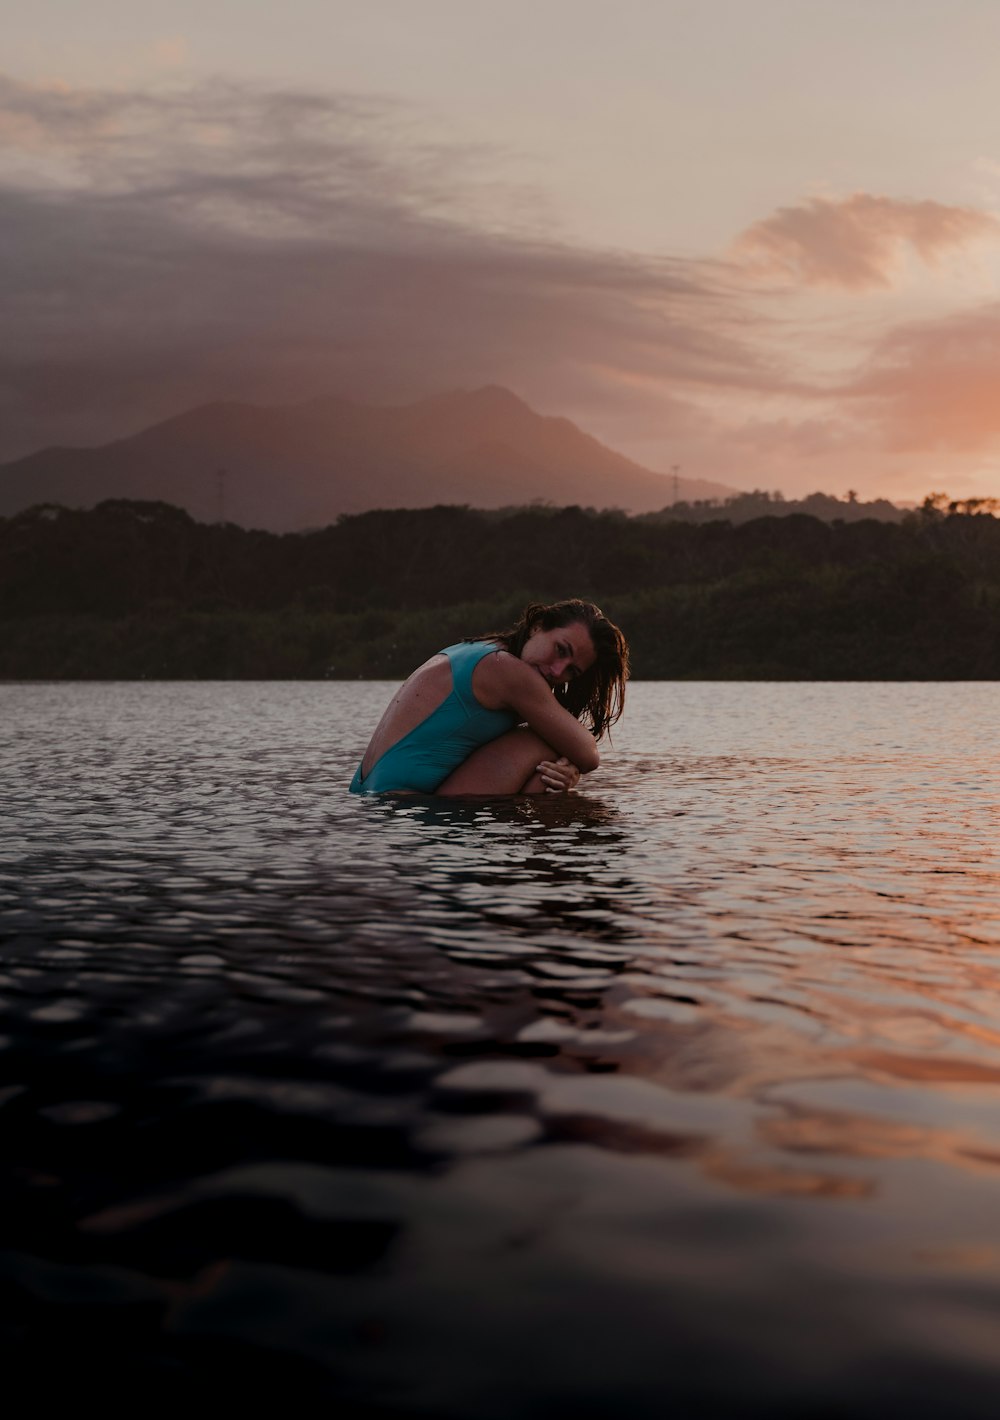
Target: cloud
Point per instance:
(934, 385)
(162, 249)
(171, 51)
(857, 243)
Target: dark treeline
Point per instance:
(141, 590)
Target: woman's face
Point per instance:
(560, 655)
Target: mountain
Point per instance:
(289, 467)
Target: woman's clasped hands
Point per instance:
(558, 775)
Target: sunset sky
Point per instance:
(756, 238)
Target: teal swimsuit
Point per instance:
(424, 758)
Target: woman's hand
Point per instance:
(558, 775)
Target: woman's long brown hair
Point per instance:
(597, 697)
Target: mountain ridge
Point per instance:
(293, 466)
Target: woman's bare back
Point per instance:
(428, 687)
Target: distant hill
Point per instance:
(290, 467)
(744, 507)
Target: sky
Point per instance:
(758, 240)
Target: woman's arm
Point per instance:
(505, 682)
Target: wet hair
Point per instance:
(597, 696)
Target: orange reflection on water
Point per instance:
(851, 1135)
(940, 1068)
(777, 1182)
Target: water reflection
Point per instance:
(488, 875)
(701, 1062)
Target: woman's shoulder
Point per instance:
(502, 671)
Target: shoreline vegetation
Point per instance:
(133, 591)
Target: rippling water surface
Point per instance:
(675, 1096)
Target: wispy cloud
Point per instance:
(227, 241)
(858, 242)
(171, 51)
(933, 386)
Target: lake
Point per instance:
(677, 1096)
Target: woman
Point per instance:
(502, 715)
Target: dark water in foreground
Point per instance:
(677, 1097)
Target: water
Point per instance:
(677, 1096)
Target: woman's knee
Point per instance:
(523, 741)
